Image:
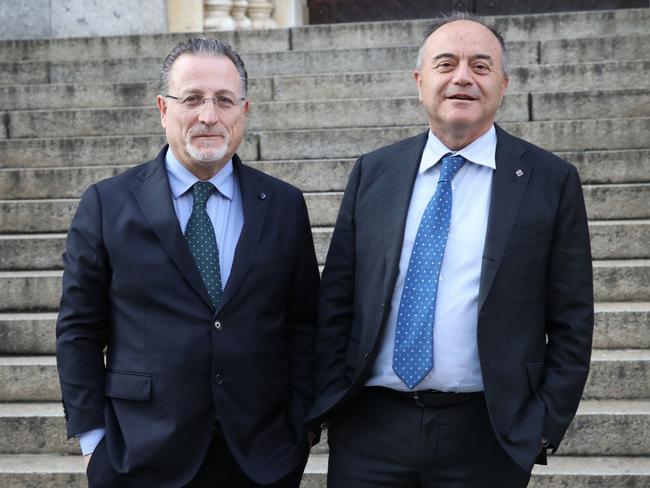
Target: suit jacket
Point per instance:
(173, 363)
(536, 284)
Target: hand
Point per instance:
(87, 459)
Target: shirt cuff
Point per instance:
(88, 440)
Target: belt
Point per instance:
(429, 398)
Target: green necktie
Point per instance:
(200, 238)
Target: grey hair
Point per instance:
(453, 17)
(203, 46)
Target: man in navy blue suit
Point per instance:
(456, 307)
(198, 276)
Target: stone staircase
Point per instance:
(73, 111)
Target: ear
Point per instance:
(246, 107)
(161, 103)
(417, 76)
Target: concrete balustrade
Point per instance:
(227, 15)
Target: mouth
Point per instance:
(461, 96)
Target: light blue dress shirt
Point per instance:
(226, 213)
(456, 366)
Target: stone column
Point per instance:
(238, 13)
(216, 15)
(259, 12)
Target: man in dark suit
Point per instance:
(456, 304)
(199, 277)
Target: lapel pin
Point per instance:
(261, 195)
(519, 173)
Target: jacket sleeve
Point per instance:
(82, 327)
(569, 313)
(336, 302)
(302, 313)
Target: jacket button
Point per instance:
(217, 325)
(366, 355)
(218, 379)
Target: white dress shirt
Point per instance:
(226, 213)
(456, 366)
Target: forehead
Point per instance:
(463, 37)
(204, 72)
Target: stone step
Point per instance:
(336, 36)
(622, 325)
(601, 428)
(28, 334)
(618, 374)
(615, 374)
(592, 472)
(607, 75)
(268, 116)
(589, 104)
(258, 64)
(34, 428)
(620, 239)
(101, 95)
(29, 379)
(565, 135)
(66, 471)
(151, 45)
(30, 291)
(39, 291)
(622, 281)
(595, 167)
(594, 49)
(330, 114)
(609, 428)
(557, 77)
(630, 47)
(564, 25)
(42, 470)
(618, 326)
(615, 201)
(94, 150)
(617, 239)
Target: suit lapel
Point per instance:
(161, 216)
(255, 202)
(509, 184)
(399, 174)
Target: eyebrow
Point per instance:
(198, 91)
(487, 57)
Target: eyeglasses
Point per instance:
(194, 103)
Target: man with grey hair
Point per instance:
(197, 274)
(456, 303)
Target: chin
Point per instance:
(207, 155)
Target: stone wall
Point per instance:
(38, 19)
(20, 19)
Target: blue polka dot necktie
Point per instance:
(413, 349)
(200, 238)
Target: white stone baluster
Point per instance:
(216, 15)
(259, 12)
(238, 14)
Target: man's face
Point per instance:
(461, 82)
(203, 138)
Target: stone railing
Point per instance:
(238, 14)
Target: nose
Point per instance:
(209, 113)
(462, 74)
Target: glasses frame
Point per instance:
(240, 101)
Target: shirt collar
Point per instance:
(482, 151)
(181, 179)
